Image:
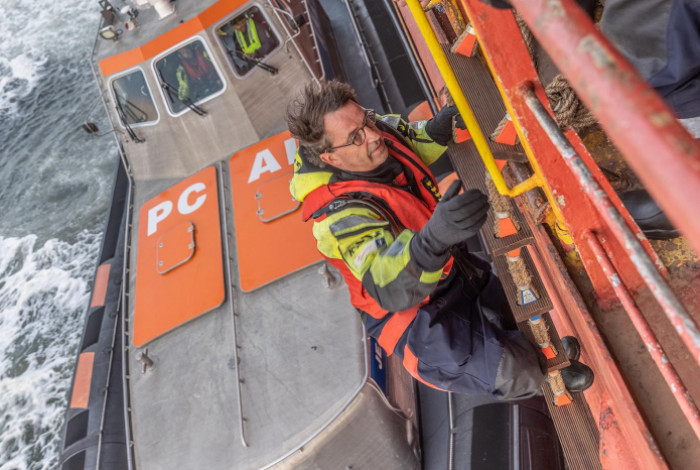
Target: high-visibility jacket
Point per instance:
(406, 213)
(253, 43)
(194, 69)
(430, 319)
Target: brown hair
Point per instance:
(305, 115)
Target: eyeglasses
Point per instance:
(358, 137)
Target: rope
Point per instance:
(568, 109)
(528, 37)
(499, 128)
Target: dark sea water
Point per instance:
(55, 184)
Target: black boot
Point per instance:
(572, 347)
(648, 215)
(577, 377)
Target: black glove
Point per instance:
(439, 128)
(456, 218)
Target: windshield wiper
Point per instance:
(122, 118)
(258, 63)
(173, 94)
(130, 110)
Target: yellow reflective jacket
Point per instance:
(373, 251)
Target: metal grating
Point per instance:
(576, 430)
(487, 104)
(482, 95)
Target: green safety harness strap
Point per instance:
(253, 43)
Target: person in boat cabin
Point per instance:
(247, 38)
(378, 217)
(194, 73)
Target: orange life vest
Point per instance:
(401, 206)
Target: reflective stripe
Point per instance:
(410, 362)
(183, 89)
(396, 258)
(431, 278)
(394, 328)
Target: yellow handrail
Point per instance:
(464, 109)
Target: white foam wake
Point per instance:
(43, 296)
(35, 37)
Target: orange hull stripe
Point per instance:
(99, 291)
(410, 362)
(208, 17)
(394, 328)
(83, 378)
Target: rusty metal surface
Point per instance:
(507, 55)
(675, 383)
(679, 317)
(626, 442)
(609, 395)
(662, 153)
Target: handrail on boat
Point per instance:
(231, 303)
(290, 38)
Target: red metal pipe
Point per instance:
(680, 393)
(657, 147)
(674, 310)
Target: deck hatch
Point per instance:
(275, 242)
(271, 200)
(175, 247)
(190, 282)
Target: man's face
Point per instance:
(340, 126)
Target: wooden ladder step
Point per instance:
(560, 360)
(574, 422)
(483, 97)
(468, 165)
(577, 431)
(523, 313)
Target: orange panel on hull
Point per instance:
(271, 238)
(99, 292)
(165, 300)
(82, 381)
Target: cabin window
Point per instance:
(188, 76)
(133, 99)
(247, 38)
